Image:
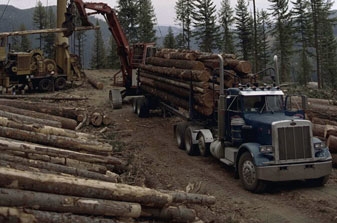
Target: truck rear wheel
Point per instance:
(179, 134)
(134, 105)
(45, 85)
(191, 148)
(203, 146)
(142, 108)
(248, 175)
(60, 83)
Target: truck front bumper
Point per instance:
(287, 172)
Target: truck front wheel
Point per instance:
(248, 175)
(319, 181)
(142, 108)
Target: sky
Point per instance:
(164, 8)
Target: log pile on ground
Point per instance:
(172, 73)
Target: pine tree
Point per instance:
(15, 43)
(127, 15)
(80, 39)
(226, 19)
(184, 10)
(98, 58)
(303, 37)
(180, 42)
(243, 29)
(113, 58)
(206, 31)
(49, 38)
(282, 31)
(24, 42)
(39, 19)
(169, 41)
(263, 26)
(146, 18)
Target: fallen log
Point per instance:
(96, 119)
(30, 120)
(57, 141)
(8, 144)
(330, 130)
(334, 160)
(323, 111)
(58, 168)
(183, 197)
(85, 165)
(107, 120)
(320, 121)
(240, 66)
(176, 55)
(55, 98)
(33, 216)
(66, 123)
(44, 108)
(182, 64)
(98, 85)
(332, 143)
(176, 214)
(70, 204)
(318, 130)
(74, 186)
(183, 74)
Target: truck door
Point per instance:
(234, 110)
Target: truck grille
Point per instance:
(294, 143)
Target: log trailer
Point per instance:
(254, 130)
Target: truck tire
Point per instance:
(45, 85)
(191, 149)
(248, 175)
(134, 105)
(203, 146)
(179, 134)
(319, 182)
(142, 108)
(60, 83)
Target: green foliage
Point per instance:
(98, 58)
(50, 38)
(244, 29)
(226, 19)
(146, 19)
(39, 19)
(184, 10)
(80, 39)
(127, 15)
(206, 31)
(25, 42)
(113, 58)
(263, 48)
(169, 41)
(282, 32)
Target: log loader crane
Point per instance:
(130, 56)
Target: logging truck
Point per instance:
(254, 129)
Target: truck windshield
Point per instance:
(269, 103)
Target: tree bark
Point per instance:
(318, 130)
(177, 214)
(320, 121)
(12, 145)
(30, 120)
(58, 168)
(330, 130)
(240, 66)
(182, 74)
(334, 160)
(182, 64)
(65, 122)
(50, 183)
(95, 83)
(183, 197)
(96, 119)
(33, 216)
(70, 204)
(177, 55)
(51, 109)
(57, 141)
(55, 98)
(332, 143)
(323, 111)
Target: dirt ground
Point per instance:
(157, 162)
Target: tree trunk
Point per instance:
(30, 120)
(318, 130)
(177, 55)
(70, 204)
(176, 214)
(94, 82)
(334, 160)
(330, 130)
(51, 109)
(33, 216)
(107, 120)
(183, 197)
(50, 183)
(58, 168)
(65, 122)
(323, 111)
(182, 74)
(320, 121)
(86, 166)
(57, 141)
(182, 64)
(332, 143)
(240, 66)
(96, 119)
(55, 98)
(12, 145)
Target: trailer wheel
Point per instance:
(142, 108)
(203, 146)
(319, 182)
(134, 105)
(179, 134)
(45, 85)
(191, 148)
(248, 175)
(60, 83)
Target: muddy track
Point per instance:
(166, 167)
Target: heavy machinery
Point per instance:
(130, 56)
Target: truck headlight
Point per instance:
(267, 149)
(319, 145)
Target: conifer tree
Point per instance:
(226, 19)
(206, 31)
(127, 15)
(184, 10)
(282, 32)
(80, 39)
(24, 42)
(263, 26)
(15, 43)
(39, 19)
(49, 38)
(113, 58)
(169, 41)
(98, 58)
(146, 19)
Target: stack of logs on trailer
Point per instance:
(323, 115)
(171, 74)
(50, 172)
